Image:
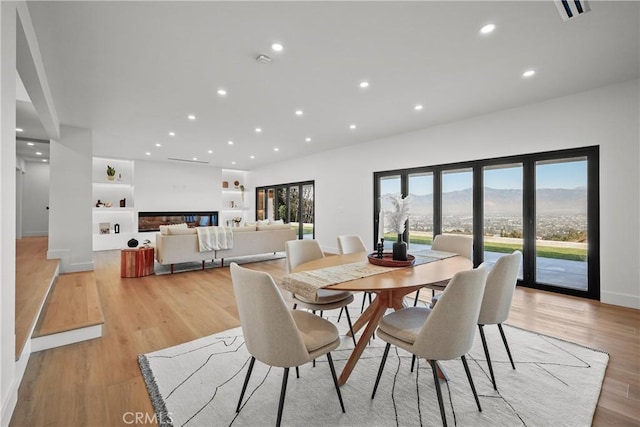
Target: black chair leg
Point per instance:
(339, 314)
(295, 305)
(283, 392)
(486, 353)
(364, 299)
(335, 380)
(346, 311)
(473, 387)
(413, 362)
(506, 345)
(382, 362)
(415, 302)
(246, 381)
(434, 368)
(297, 372)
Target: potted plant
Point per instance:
(111, 173)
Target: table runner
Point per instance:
(307, 283)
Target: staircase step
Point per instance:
(72, 312)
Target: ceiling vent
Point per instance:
(571, 8)
(187, 160)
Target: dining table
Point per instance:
(390, 287)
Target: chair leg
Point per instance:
(415, 302)
(506, 345)
(297, 372)
(339, 314)
(335, 380)
(413, 362)
(295, 306)
(346, 311)
(283, 392)
(473, 387)
(246, 381)
(382, 362)
(364, 299)
(434, 368)
(486, 353)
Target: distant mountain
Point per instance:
(506, 202)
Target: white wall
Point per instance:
(608, 117)
(71, 200)
(35, 199)
(162, 186)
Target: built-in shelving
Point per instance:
(235, 198)
(120, 218)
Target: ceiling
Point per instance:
(134, 71)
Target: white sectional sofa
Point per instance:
(180, 244)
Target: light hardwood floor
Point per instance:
(97, 382)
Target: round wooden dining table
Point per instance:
(390, 288)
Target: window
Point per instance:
(293, 203)
(543, 204)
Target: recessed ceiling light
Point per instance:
(147, 153)
(299, 112)
(276, 149)
(172, 134)
(252, 157)
(276, 47)
(210, 151)
(258, 130)
(487, 29)
(38, 153)
(195, 158)
(418, 107)
(308, 139)
(233, 163)
(19, 130)
(191, 117)
(528, 73)
(352, 126)
(44, 160)
(230, 142)
(30, 144)
(158, 144)
(222, 92)
(364, 85)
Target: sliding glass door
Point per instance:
(292, 203)
(545, 205)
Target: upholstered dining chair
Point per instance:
(496, 303)
(444, 333)
(305, 250)
(455, 243)
(277, 336)
(349, 244)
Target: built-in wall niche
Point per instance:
(236, 197)
(114, 218)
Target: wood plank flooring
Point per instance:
(98, 382)
(34, 273)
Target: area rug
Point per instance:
(555, 383)
(160, 269)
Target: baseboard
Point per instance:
(64, 255)
(9, 405)
(75, 268)
(624, 300)
(46, 342)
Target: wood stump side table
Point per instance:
(136, 262)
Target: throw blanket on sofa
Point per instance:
(214, 238)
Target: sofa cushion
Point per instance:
(243, 228)
(273, 227)
(178, 231)
(164, 229)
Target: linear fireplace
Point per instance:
(151, 221)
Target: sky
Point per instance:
(551, 175)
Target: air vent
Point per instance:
(263, 59)
(571, 8)
(187, 160)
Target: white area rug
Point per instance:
(555, 383)
(160, 269)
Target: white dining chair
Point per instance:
(301, 251)
(348, 244)
(277, 336)
(454, 243)
(444, 333)
(496, 302)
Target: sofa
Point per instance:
(177, 243)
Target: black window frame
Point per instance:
(278, 187)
